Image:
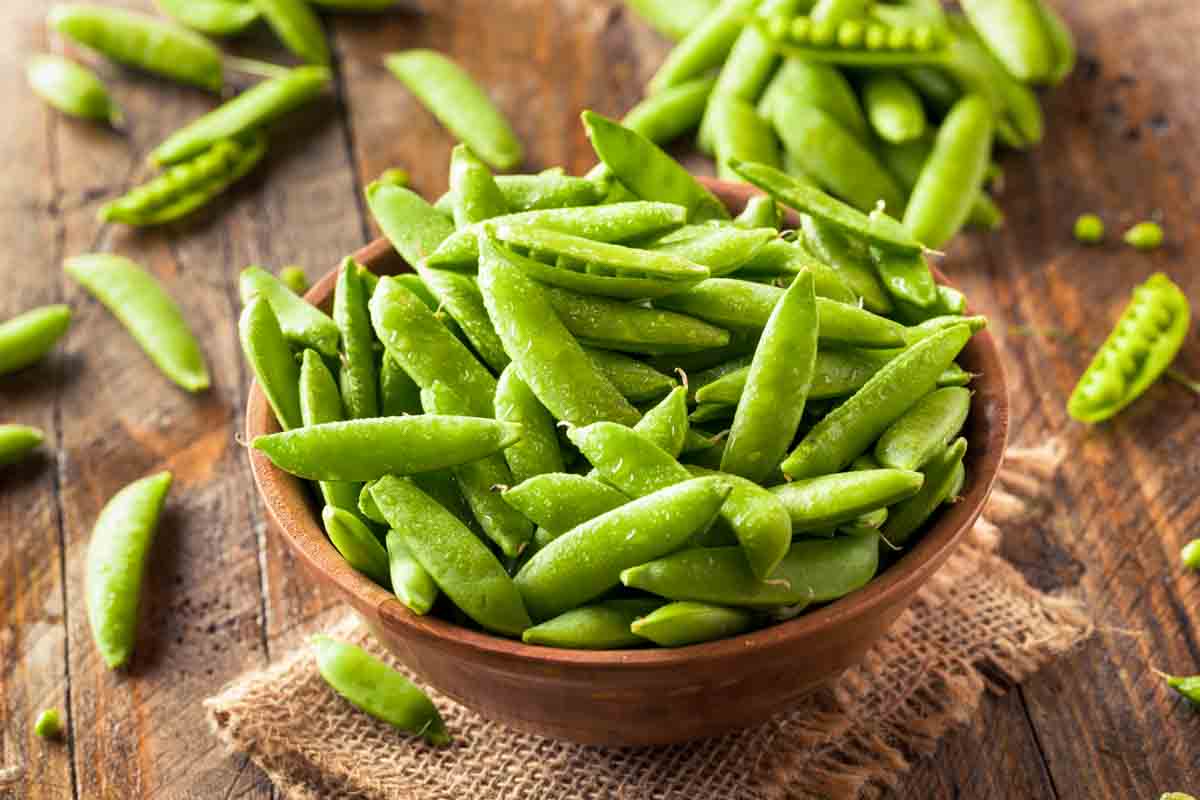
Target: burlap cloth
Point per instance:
(976, 626)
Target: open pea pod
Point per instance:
(855, 42)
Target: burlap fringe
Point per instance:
(976, 626)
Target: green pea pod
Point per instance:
(321, 402)
(925, 429)
(272, 361)
(365, 449)
(673, 18)
(905, 518)
(732, 302)
(777, 385)
(375, 688)
(459, 562)
(1140, 348)
(837, 373)
(48, 724)
(141, 41)
(647, 171)
(854, 425)
(547, 190)
(302, 323)
(760, 212)
(459, 103)
(686, 622)
(398, 393)
(250, 110)
(817, 504)
(560, 501)
(25, 339)
(149, 314)
(213, 17)
(116, 561)
(538, 451)
(429, 353)
(905, 161)
(1014, 31)
(359, 375)
(587, 561)
(893, 107)
(666, 424)
(476, 195)
(781, 258)
(815, 571)
(613, 325)
(459, 295)
(849, 259)
(17, 441)
(413, 586)
(932, 325)
(906, 276)
(413, 226)
(833, 12)
(72, 89)
(548, 357)
(951, 178)
(603, 626)
(954, 376)
(637, 381)
(615, 222)
(665, 116)
(721, 249)
(298, 27)
(738, 132)
(876, 227)
(1061, 41)
(357, 544)
(820, 86)
(705, 46)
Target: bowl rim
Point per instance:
(284, 497)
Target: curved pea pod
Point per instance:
(272, 361)
(687, 622)
(116, 562)
(359, 375)
(154, 320)
(905, 518)
(952, 176)
(932, 325)
(298, 27)
(413, 226)
(72, 89)
(366, 449)
(777, 385)
(356, 543)
(411, 583)
(538, 451)
(26, 338)
(820, 86)
(956, 484)
(893, 107)
(141, 41)
(302, 323)
(459, 103)
(458, 561)
(753, 518)
(720, 249)
(459, 295)
(835, 159)
(785, 259)
(213, 17)
(924, 430)
(817, 504)
(1061, 41)
(667, 423)
(876, 227)
(905, 161)
(18, 441)
(476, 195)
(852, 427)
(1014, 32)
(837, 373)
(1142, 345)
(673, 18)
(615, 222)
(761, 211)
(601, 322)
(813, 571)
(667, 115)
(647, 171)
(849, 260)
(906, 276)
(250, 110)
(603, 626)
(705, 46)
(547, 190)
(738, 132)
(321, 402)
(558, 502)
(587, 561)
(547, 356)
(637, 381)
(375, 688)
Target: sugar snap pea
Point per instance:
(854, 425)
(1142, 345)
(816, 571)
(545, 190)
(777, 385)
(837, 373)
(686, 622)
(559, 501)
(784, 259)
(587, 560)
(365, 449)
(476, 195)
(298, 28)
(816, 504)
(272, 361)
(548, 357)
(761, 211)
(738, 132)
(672, 18)
(705, 46)
(906, 517)
(398, 393)
(1061, 41)
(602, 626)
(412, 585)
(17, 441)
(925, 429)
(72, 89)
(372, 686)
(459, 103)
(213, 17)
(849, 259)
(637, 381)
(27, 337)
(301, 322)
(458, 561)
(893, 107)
(1014, 31)
(359, 376)
(141, 41)
(250, 110)
(722, 249)
(538, 451)
(819, 86)
(667, 115)
(905, 161)
(906, 276)
(116, 561)
(666, 423)
(413, 226)
(321, 402)
(356, 543)
(149, 314)
(48, 724)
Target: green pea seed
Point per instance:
(1089, 229)
(294, 278)
(17, 441)
(1145, 236)
(1190, 555)
(48, 724)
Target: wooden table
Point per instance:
(224, 597)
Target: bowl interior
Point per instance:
(293, 510)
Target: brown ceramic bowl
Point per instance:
(640, 697)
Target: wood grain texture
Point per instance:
(224, 597)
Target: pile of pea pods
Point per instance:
(602, 413)
(894, 103)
